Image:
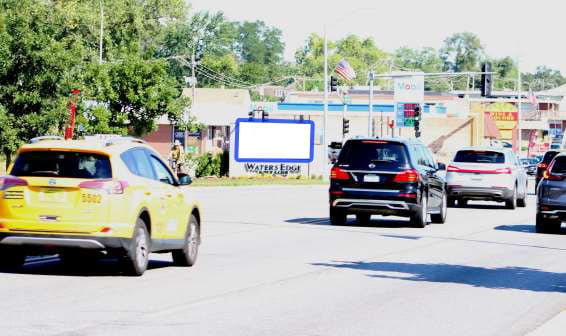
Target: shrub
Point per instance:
(212, 165)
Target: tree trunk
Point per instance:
(8, 155)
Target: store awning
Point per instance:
(490, 129)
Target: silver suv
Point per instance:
(487, 174)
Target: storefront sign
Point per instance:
(409, 87)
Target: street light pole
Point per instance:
(101, 31)
(325, 101)
(371, 77)
(519, 109)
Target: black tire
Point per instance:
(451, 202)
(511, 202)
(522, 202)
(137, 254)
(440, 218)
(337, 217)
(544, 225)
(363, 219)
(419, 217)
(12, 259)
(187, 256)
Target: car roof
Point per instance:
(392, 139)
(109, 147)
(485, 148)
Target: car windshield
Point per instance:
(62, 164)
(477, 156)
(373, 154)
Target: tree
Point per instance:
(362, 55)
(40, 61)
(259, 43)
(462, 52)
(426, 60)
(49, 47)
(505, 73)
(544, 78)
(136, 92)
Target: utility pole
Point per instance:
(519, 108)
(325, 102)
(193, 75)
(371, 77)
(101, 31)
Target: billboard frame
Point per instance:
(273, 121)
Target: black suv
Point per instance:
(387, 176)
(551, 196)
(543, 164)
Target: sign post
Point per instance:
(72, 109)
(408, 93)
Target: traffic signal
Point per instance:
(485, 80)
(417, 121)
(345, 126)
(333, 84)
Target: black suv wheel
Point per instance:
(544, 225)
(440, 218)
(419, 217)
(337, 216)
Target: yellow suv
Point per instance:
(83, 197)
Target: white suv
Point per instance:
(487, 174)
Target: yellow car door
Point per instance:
(170, 197)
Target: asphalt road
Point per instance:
(270, 264)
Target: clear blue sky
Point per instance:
(534, 30)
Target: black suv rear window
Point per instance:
(548, 156)
(474, 156)
(62, 164)
(559, 166)
(373, 154)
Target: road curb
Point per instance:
(554, 326)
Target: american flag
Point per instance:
(346, 71)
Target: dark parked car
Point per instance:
(551, 194)
(530, 165)
(389, 176)
(543, 164)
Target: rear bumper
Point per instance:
(478, 193)
(552, 211)
(56, 241)
(377, 207)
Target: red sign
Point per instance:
(504, 116)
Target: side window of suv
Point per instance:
(138, 163)
(163, 174)
(423, 158)
(430, 157)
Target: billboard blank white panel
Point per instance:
(274, 140)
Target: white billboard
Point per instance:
(409, 87)
(274, 140)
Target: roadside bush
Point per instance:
(212, 165)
